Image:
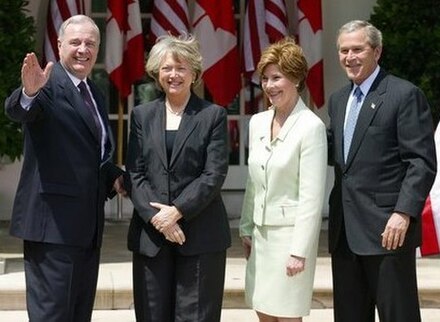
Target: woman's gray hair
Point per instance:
(184, 47)
(374, 35)
(78, 20)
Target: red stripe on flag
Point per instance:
(278, 9)
(430, 245)
(177, 8)
(254, 36)
(162, 18)
(165, 23)
(57, 12)
(63, 9)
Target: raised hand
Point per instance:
(33, 77)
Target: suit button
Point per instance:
(262, 167)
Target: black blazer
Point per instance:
(390, 167)
(64, 181)
(191, 180)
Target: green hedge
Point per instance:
(411, 32)
(16, 39)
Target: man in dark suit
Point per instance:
(66, 176)
(381, 181)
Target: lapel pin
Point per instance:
(373, 106)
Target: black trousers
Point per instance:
(60, 282)
(361, 283)
(171, 287)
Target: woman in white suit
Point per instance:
(281, 215)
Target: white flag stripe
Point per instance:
(259, 15)
(171, 16)
(159, 27)
(276, 22)
(54, 21)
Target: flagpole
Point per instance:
(119, 147)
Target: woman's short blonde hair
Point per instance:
(184, 47)
(290, 59)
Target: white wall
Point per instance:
(335, 14)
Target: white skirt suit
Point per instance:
(282, 209)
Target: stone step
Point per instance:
(115, 286)
(228, 315)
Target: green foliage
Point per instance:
(16, 39)
(411, 35)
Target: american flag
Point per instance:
(168, 17)
(58, 11)
(265, 22)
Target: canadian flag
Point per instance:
(431, 213)
(168, 17)
(310, 39)
(214, 27)
(265, 22)
(124, 59)
(58, 11)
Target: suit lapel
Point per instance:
(371, 105)
(291, 120)
(73, 96)
(157, 130)
(187, 126)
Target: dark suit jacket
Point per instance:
(64, 181)
(191, 181)
(390, 167)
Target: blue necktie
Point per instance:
(90, 106)
(353, 113)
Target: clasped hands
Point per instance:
(165, 221)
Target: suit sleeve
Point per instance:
(312, 179)
(247, 211)
(17, 113)
(417, 151)
(140, 189)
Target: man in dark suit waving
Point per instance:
(66, 177)
(382, 147)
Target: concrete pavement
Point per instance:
(114, 300)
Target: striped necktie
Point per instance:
(352, 117)
(90, 106)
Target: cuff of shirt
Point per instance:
(25, 100)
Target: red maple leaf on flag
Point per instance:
(119, 11)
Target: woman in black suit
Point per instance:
(177, 160)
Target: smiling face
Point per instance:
(78, 48)
(356, 56)
(280, 90)
(175, 76)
